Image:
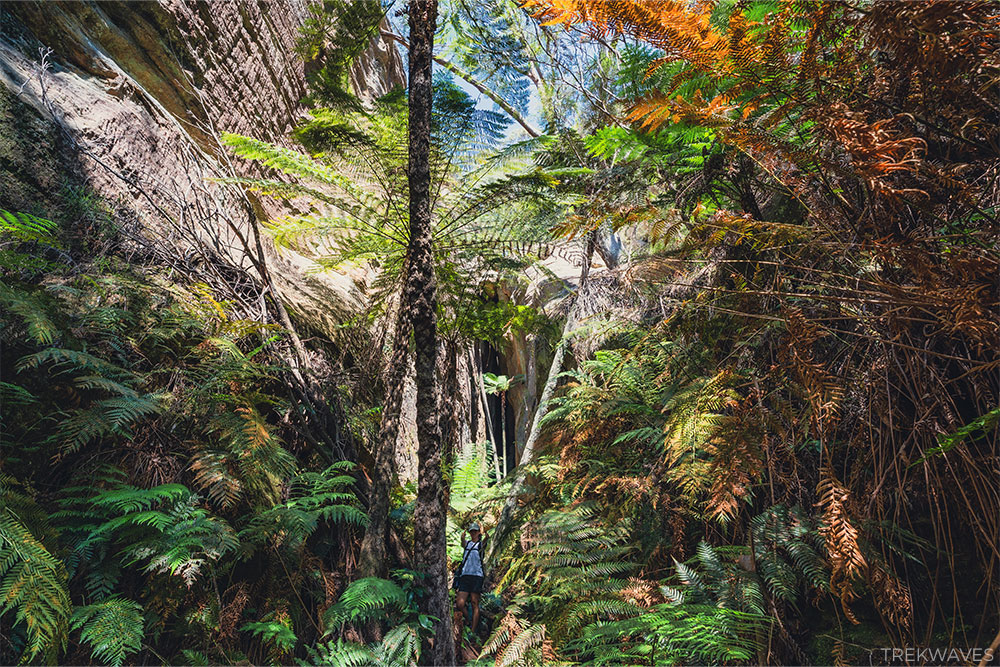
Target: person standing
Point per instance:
(470, 577)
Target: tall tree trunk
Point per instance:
(517, 487)
(373, 547)
(430, 514)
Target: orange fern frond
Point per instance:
(847, 563)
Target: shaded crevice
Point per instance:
(501, 420)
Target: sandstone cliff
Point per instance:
(131, 99)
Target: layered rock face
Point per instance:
(138, 93)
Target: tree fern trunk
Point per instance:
(420, 297)
(373, 546)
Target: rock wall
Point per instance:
(139, 92)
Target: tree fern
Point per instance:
(114, 629)
(332, 36)
(356, 172)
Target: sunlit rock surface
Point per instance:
(142, 90)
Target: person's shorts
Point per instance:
(470, 583)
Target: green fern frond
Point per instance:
(196, 658)
(315, 497)
(247, 444)
(365, 599)
(690, 577)
(400, 646)
(518, 653)
(113, 628)
(15, 395)
(341, 653)
(277, 634)
(25, 228)
(128, 499)
(101, 383)
(578, 614)
(191, 540)
(64, 360)
(34, 309)
(688, 634)
(283, 159)
(34, 585)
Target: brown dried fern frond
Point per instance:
(847, 563)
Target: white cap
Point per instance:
(473, 526)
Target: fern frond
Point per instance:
(64, 360)
(25, 227)
(400, 646)
(114, 629)
(34, 585)
(128, 499)
(34, 309)
(342, 653)
(188, 542)
(315, 497)
(364, 599)
(517, 651)
(276, 633)
(16, 395)
(249, 445)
